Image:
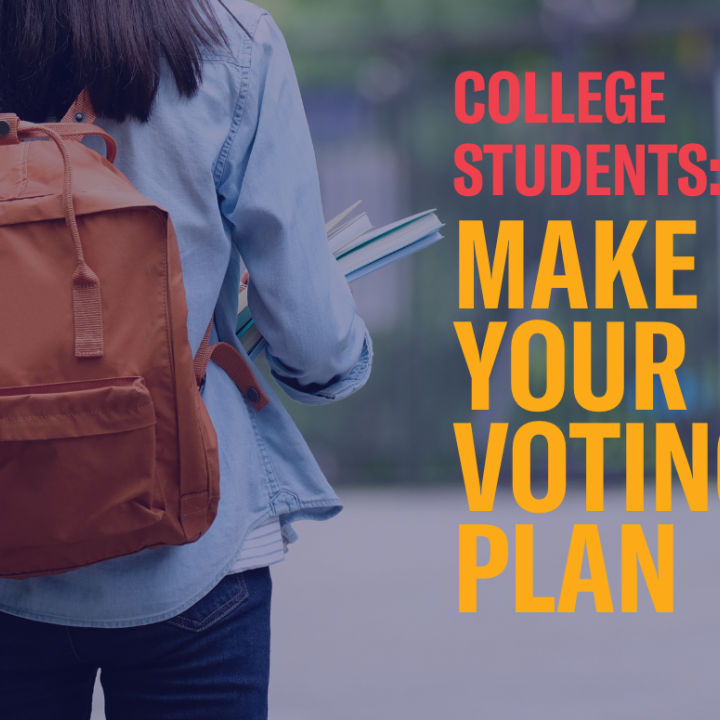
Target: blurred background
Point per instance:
(366, 625)
(365, 616)
(378, 82)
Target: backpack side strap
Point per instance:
(234, 364)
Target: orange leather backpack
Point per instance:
(106, 447)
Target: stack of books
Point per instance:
(359, 249)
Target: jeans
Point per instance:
(211, 662)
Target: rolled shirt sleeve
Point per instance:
(318, 347)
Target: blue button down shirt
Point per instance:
(234, 166)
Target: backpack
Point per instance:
(106, 447)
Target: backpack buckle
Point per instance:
(9, 129)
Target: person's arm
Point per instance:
(318, 348)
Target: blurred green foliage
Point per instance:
(400, 427)
(347, 25)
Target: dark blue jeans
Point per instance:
(211, 662)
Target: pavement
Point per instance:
(366, 623)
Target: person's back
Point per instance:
(233, 165)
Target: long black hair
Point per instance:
(51, 49)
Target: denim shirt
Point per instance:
(235, 168)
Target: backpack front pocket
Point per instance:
(77, 462)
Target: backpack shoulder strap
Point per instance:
(81, 111)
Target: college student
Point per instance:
(202, 100)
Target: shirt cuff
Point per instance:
(337, 389)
